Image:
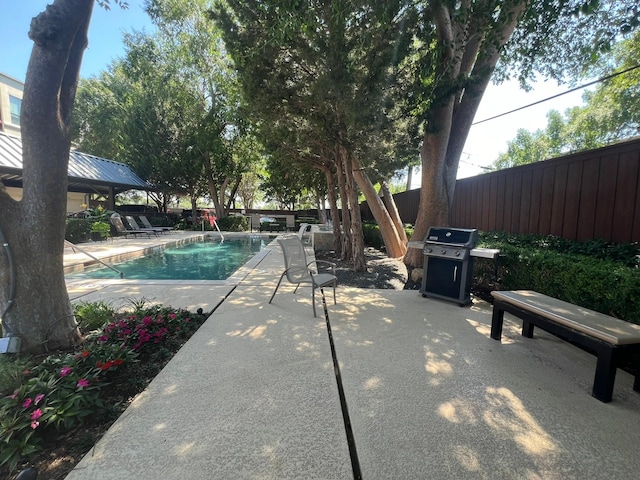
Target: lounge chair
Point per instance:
(302, 231)
(147, 224)
(134, 226)
(297, 270)
(116, 221)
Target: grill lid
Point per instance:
(463, 237)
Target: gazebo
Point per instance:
(88, 175)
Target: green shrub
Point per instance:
(101, 228)
(93, 315)
(595, 275)
(233, 223)
(78, 229)
(11, 372)
(626, 253)
(373, 237)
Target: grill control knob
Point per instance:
(457, 254)
(443, 252)
(428, 250)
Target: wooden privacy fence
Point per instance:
(593, 194)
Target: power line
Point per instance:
(603, 79)
(471, 163)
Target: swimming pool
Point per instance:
(211, 259)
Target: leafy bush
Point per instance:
(626, 253)
(93, 315)
(78, 229)
(101, 228)
(11, 373)
(373, 237)
(596, 275)
(68, 389)
(233, 223)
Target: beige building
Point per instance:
(10, 104)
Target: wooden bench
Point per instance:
(609, 338)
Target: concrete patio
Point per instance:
(254, 394)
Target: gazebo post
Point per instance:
(111, 199)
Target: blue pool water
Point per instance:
(207, 260)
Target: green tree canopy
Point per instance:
(610, 112)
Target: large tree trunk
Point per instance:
(232, 196)
(194, 210)
(470, 52)
(333, 207)
(392, 208)
(344, 233)
(435, 194)
(218, 203)
(35, 226)
(355, 220)
(390, 236)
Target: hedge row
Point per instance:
(606, 279)
(78, 229)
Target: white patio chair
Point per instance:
(302, 230)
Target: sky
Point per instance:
(105, 34)
(483, 145)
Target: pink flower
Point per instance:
(64, 371)
(27, 403)
(39, 397)
(36, 414)
(15, 395)
(83, 382)
(34, 424)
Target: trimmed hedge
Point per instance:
(233, 223)
(606, 280)
(78, 229)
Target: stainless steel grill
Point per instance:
(448, 264)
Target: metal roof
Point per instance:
(87, 173)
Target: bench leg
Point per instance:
(497, 318)
(635, 360)
(527, 329)
(605, 375)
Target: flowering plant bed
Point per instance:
(54, 408)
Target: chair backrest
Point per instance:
(295, 260)
(303, 228)
(116, 221)
(132, 222)
(145, 221)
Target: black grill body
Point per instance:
(448, 265)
